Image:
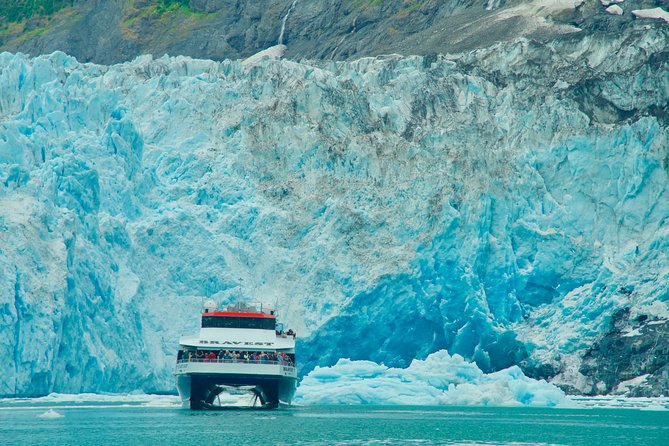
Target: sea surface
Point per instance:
(162, 422)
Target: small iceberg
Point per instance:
(50, 415)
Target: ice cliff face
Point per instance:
(509, 206)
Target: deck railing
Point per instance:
(237, 361)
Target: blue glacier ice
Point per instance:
(502, 205)
(440, 379)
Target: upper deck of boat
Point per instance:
(240, 327)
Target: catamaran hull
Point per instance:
(200, 391)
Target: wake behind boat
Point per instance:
(241, 358)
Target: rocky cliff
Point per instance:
(111, 31)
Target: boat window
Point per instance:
(238, 322)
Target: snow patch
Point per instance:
(626, 386)
(273, 52)
(633, 333)
(654, 13)
(538, 11)
(545, 7)
(614, 9)
(657, 322)
(492, 4)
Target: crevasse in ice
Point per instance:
(391, 207)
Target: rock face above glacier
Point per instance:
(508, 205)
(112, 31)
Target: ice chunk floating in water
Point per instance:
(439, 379)
(50, 415)
(60, 400)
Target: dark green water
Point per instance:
(341, 425)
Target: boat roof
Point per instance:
(240, 309)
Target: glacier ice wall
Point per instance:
(504, 205)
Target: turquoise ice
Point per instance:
(392, 207)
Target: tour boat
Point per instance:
(241, 356)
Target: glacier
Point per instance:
(507, 205)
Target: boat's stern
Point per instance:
(240, 350)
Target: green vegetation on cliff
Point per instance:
(18, 10)
(164, 5)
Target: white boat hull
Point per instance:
(200, 383)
